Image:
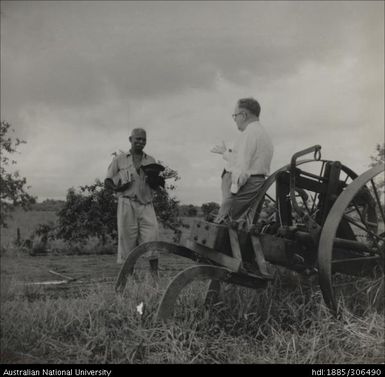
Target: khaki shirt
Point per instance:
(122, 170)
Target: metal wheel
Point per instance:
(184, 278)
(267, 210)
(352, 246)
(129, 264)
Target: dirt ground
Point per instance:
(41, 277)
(53, 272)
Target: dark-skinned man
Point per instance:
(128, 175)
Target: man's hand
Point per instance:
(220, 149)
(243, 177)
(109, 184)
(123, 187)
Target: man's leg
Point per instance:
(149, 231)
(227, 198)
(243, 199)
(127, 229)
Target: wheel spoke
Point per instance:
(361, 216)
(350, 220)
(350, 211)
(323, 167)
(314, 199)
(346, 179)
(307, 208)
(378, 200)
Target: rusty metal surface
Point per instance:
(317, 154)
(274, 249)
(316, 149)
(235, 247)
(216, 257)
(259, 257)
(342, 243)
(329, 231)
(207, 234)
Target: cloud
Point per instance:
(75, 54)
(78, 76)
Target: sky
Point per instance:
(77, 77)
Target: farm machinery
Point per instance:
(313, 216)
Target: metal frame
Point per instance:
(238, 253)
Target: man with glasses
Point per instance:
(248, 162)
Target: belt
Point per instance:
(252, 175)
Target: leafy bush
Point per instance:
(208, 209)
(91, 212)
(13, 190)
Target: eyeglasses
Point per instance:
(235, 115)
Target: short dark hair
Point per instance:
(138, 130)
(251, 105)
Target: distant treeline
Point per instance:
(48, 205)
(187, 210)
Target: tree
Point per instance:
(48, 205)
(192, 211)
(209, 208)
(13, 189)
(188, 210)
(378, 157)
(91, 211)
(40, 236)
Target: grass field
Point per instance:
(26, 221)
(86, 321)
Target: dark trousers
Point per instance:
(234, 206)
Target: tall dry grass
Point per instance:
(285, 323)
